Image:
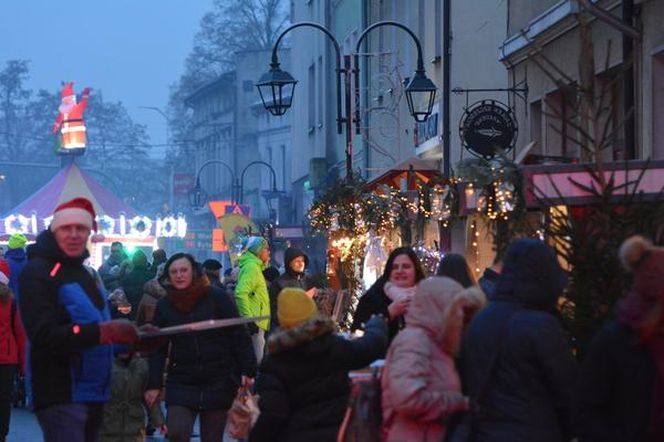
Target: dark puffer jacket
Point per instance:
(303, 383)
(615, 389)
(61, 306)
(290, 278)
(516, 357)
(204, 367)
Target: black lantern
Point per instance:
(276, 89)
(420, 94)
(197, 196)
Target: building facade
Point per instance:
(230, 126)
(544, 49)
(318, 150)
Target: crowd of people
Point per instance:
(464, 359)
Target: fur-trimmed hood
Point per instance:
(288, 339)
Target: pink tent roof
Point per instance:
(71, 182)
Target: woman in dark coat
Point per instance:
(516, 359)
(390, 295)
(303, 383)
(204, 368)
(621, 388)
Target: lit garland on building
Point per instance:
(439, 200)
(475, 246)
(495, 182)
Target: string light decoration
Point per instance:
(429, 257)
(347, 213)
(475, 246)
(351, 209)
(439, 200)
(495, 182)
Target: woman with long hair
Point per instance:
(391, 294)
(203, 374)
(456, 267)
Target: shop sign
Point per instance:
(198, 240)
(488, 127)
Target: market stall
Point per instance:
(116, 221)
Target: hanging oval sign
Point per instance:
(488, 127)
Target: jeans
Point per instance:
(6, 387)
(180, 423)
(258, 342)
(71, 422)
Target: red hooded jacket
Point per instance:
(12, 335)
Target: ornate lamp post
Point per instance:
(420, 92)
(276, 87)
(198, 197)
(270, 193)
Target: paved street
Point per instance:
(24, 428)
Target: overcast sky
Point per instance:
(131, 50)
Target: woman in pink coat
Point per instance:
(420, 384)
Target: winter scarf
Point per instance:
(396, 293)
(185, 300)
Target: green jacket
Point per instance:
(124, 415)
(251, 293)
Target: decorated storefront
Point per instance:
(116, 221)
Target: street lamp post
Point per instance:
(198, 196)
(420, 92)
(267, 194)
(276, 87)
(240, 184)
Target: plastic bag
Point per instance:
(243, 414)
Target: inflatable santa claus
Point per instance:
(70, 122)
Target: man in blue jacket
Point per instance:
(67, 321)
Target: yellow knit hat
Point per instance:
(294, 307)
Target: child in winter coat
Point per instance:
(124, 414)
(420, 384)
(303, 382)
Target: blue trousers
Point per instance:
(71, 422)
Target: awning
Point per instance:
(422, 170)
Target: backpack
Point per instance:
(363, 419)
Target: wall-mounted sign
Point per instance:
(428, 129)
(488, 127)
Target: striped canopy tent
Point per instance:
(33, 215)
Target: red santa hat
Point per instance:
(5, 272)
(77, 211)
(67, 90)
